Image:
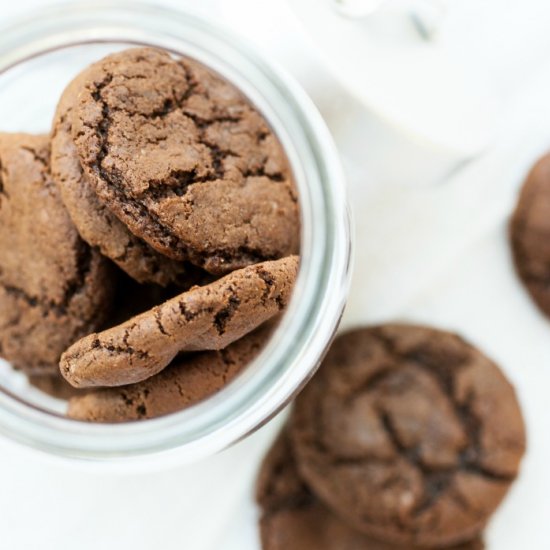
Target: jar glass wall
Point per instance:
(38, 56)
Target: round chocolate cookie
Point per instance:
(203, 318)
(97, 225)
(189, 379)
(54, 289)
(184, 160)
(530, 234)
(410, 434)
(293, 518)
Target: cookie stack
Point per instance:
(147, 242)
(407, 438)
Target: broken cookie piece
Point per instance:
(191, 378)
(209, 317)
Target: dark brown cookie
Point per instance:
(184, 160)
(53, 288)
(530, 234)
(293, 518)
(203, 318)
(189, 379)
(409, 433)
(97, 225)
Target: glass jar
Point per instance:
(38, 56)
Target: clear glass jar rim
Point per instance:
(321, 290)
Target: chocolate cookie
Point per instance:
(409, 433)
(530, 234)
(203, 318)
(97, 225)
(54, 289)
(293, 518)
(184, 160)
(189, 379)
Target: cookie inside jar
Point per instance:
(171, 229)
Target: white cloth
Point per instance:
(437, 255)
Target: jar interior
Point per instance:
(53, 48)
(52, 71)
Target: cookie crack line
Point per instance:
(126, 350)
(158, 320)
(2, 188)
(467, 459)
(102, 129)
(323, 449)
(225, 314)
(178, 184)
(435, 481)
(138, 403)
(38, 158)
(216, 152)
(43, 162)
(73, 288)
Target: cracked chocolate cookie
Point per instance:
(54, 288)
(293, 518)
(204, 318)
(185, 161)
(530, 234)
(410, 434)
(191, 378)
(97, 225)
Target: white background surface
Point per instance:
(435, 254)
